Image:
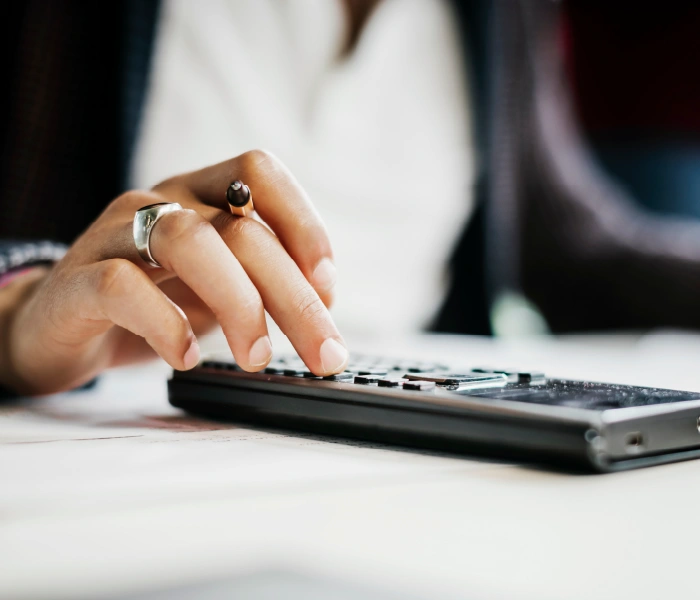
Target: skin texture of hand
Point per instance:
(102, 306)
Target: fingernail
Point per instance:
(260, 352)
(334, 356)
(192, 356)
(324, 275)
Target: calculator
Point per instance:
(505, 413)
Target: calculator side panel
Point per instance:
(493, 434)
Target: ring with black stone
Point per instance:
(240, 199)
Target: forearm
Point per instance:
(12, 297)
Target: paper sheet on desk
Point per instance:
(123, 445)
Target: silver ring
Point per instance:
(144, 220)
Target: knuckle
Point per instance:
(256, 157)
(308, 305)
(258, 163)
(250, 307)
(173, 185)
(248, 316)
(115, 277)
(243, 228)
(133, 200)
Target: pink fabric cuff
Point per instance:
(12, 275)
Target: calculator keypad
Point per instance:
(399, 374)
(487, 383)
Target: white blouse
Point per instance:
(380, 138)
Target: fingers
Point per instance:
(281, 202)
(245, 268)
(65, 339)
(239, 268)
(119, 292)
(287, 295)
(185, 243)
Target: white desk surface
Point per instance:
(112, 491)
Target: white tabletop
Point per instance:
(112, 491)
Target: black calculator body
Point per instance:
(504, 413)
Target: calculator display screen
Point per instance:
(583, 394)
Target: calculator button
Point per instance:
(534, 377)
(460, 381)
(295, 372)
(449, 378)
(221, 365)
(422, 367)
(346, 376)
(391, 382)
(514, 375)
(276, 369)
(421, 386)
(310, 375)
(371, 371)
(511, 374)
(368, 379)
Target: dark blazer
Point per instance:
(548, 223)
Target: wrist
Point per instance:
(14, 295)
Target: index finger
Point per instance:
(281, 202)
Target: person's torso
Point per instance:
(379, 138)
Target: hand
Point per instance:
(102, 305)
